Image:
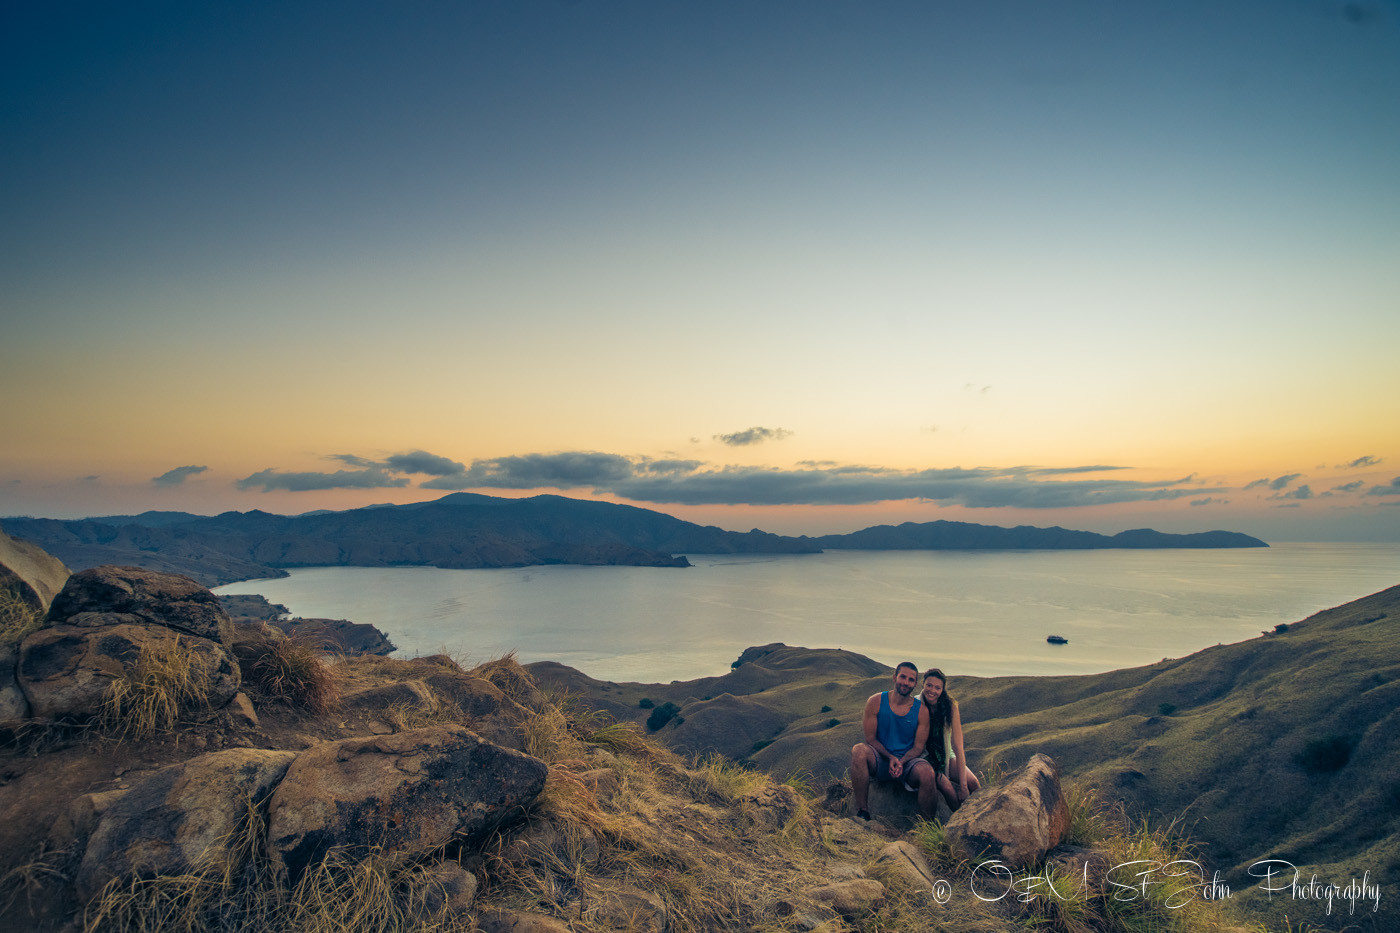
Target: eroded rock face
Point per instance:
(32, 573)
(405, 793)
(1017, 821)
(105, 596)
(14, 706)
(65, 671)
(180, 818)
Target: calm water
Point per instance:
(975, 613)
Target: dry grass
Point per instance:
(147, 699)
(18, 619)
(290, 670)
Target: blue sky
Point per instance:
(1018, 241)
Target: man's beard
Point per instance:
(903, 689)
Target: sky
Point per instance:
(806, 267)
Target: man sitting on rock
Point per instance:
(896, 727)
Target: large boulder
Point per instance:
(66, 671)
(180, 819)
(405, 793)
(105, 596)
(14, 705)
(1016, 822)
(34, 575)
(489, 712)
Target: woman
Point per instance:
(945, 741)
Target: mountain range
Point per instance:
(466, 530)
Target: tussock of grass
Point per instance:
(724, 779)
(290, 670)
(18, 619)
(146, 700)
(1087, 821)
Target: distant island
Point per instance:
(465, 530)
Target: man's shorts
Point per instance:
(882, 771)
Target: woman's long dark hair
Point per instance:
(942, 712)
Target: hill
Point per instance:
(1282, 746)
(465, 530)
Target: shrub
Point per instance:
(831, 723)
(826, 709)
(645, 703)
(288, 669)
(147, 698)
(1280, 628)
(17, 617)
(1166, 709)
(662, 715)
(1325, 755)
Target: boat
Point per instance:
(1057, 639)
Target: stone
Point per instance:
(31, 573)
(240, 712)
(14, 705)
(489, 712)
(904, 860)
(410, 693)
(65, 672)
(771, 806)
(1090, 866)
(850, 899)
(519, 921)
(1016, 822)
(151, 597)
(452, 889)
(406, 793)
(625, 907)
(179, 819)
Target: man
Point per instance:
(896, 728)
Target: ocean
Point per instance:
(982, 613)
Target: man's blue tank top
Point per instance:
(896, 733)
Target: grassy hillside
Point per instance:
(1279, 747)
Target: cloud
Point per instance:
(1367, 461)
(1302, 492)
(1344, 488)
(177, 476)
(569, 470)
(752, 436)
(693, 482)
(1390, 489)
(1280, 483)
(1210, 500)
(420, 461)
(371, 478)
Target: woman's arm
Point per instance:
(960, 755)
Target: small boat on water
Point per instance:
(1057, 639)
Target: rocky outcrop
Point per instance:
(182, 818)
(30, 572)
(851, 898)
(66, 671)
(105, 596)
(1016, 822)
(406, 793)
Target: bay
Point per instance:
(983, 613)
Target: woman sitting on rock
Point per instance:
(945, 741)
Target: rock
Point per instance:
(453, 890)
(179, 819)
(410, 693)
(65, 672)
(603, 782)
(14, 705)
(489, 712)
(850, 899)
(30, 572)
(770, 807)
(407, 793)
(1016, 822)
(1090, 866)
(630, 908)
(153, 598)
(904, 860)
(518, 921)
(81, 819)
(337, 636)
(240, 712)
(844, 871)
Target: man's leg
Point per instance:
(862, 768)
(922, 772)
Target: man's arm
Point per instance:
(870, 723)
